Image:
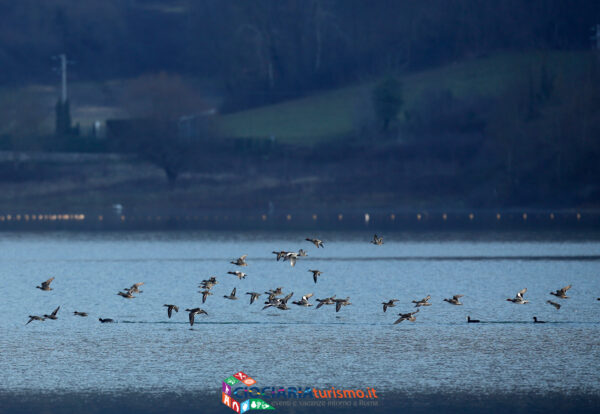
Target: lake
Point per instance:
(359, 346)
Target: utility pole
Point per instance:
(63, 71)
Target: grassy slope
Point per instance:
(331, 114)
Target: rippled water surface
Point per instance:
(357, 347)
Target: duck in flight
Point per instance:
(253, 296)
(422, 302)
(316, 242)
(389, 304)
(53, 314)
(208, 284)
(326, 301)
(378, 241)
(232, 295)
(518, 299)
(35, 318)
(536, 320)
(205, 294)
(279, 303)
(83, 314)
(561, 293)
(469, 320)
(407, 317)
(556, 305)
(135, 288)
(316, 274)
(293, 256)
(193, 312)
(280, 254)
(240, 261)
(454, 300)
(341, 302)
(240, 275)
(46, 285)
(126, 295)
(304, 301)
(170, 309)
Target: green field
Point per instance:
(333, 114)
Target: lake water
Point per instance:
(357, 347)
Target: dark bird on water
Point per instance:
(46, 285)
(53, 314)
(535, 320)
(378, 241)
(35, 318)
(556, 305)
(231, 296)
(80, 313)
(193, 312)
(107, 320)
(389, 304)
(561, 293)
(469, 320)
(170, 309)
(253, 296)
(316, 242)
(407, 317)
(316, 274)
(241, 261)
(454, 300)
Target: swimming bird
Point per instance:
(80, 313)
(389, 304)
(407, 317)
(46, 285)
(316, 242)
(240, 261)
(378, 241)
(170, 309)
(341, 302)
(107, 320)
(231, 296)
(518, 299)
(469, 320)
(326, 301)
(240, 275)
(126, 295)
(422, 302)
(316, 274)
(535, 320)
(253, 296)
(561, 293)
(193, 313)
(454, 300)
(53, 314)
(556, 305)
(205, 294)
(35, 318)
(304, 300)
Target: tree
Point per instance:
(159, 105)
(387, 101)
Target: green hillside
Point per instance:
(332, 114)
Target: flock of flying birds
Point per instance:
(275, 301)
